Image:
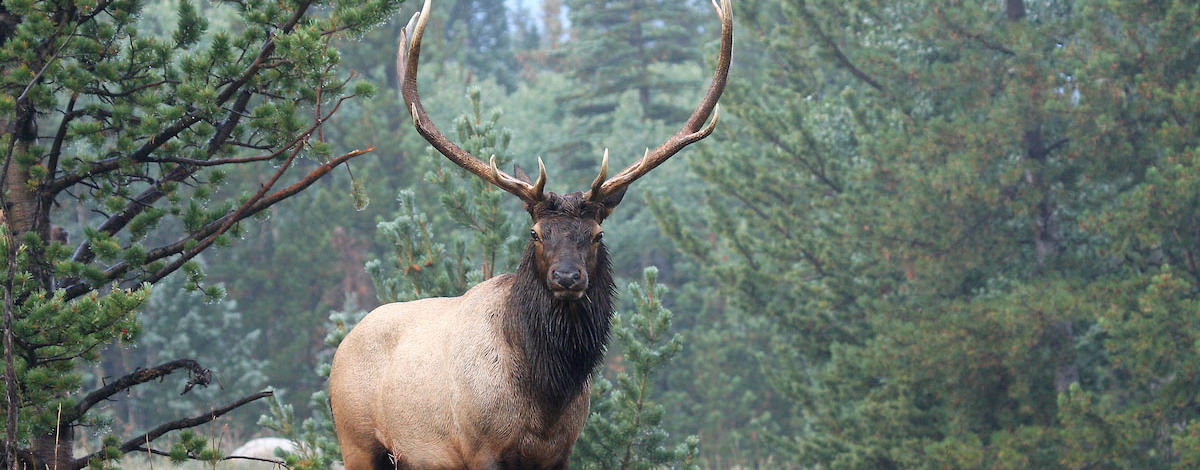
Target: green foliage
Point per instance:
(623, 45)
(122, 119)
(624, 429)
(63, 331)
(477, 33)
(961, 229)
(188, 446)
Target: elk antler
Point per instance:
(406, 68)
(693, 130)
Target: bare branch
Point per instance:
(137, 442)
(199, 376)
(60, 137)
(109, 94)
(235, 115)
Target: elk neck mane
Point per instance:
(561, 342)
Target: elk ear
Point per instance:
(611, 202)
(520, 174)
(524, 177)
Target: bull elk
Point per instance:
(498, 378)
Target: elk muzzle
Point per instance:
(567, 281)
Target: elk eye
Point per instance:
(598, 237)
(533, 235)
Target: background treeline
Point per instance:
(924, 235)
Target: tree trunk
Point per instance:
(27, 210)
(23, 208)
(54, 451)
(12, 404)
(1014, 9)
(1067, 371)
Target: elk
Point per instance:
(498, 378)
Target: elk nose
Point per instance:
(566, 278)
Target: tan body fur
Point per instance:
(431, 383)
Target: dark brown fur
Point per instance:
(562, 341)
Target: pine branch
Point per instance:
(191, 118)
(837, 51)
(83, 252)
(137, 442)
(207, 235)
(214, 228)
(60, 136)
(241, 212)
(264, 54)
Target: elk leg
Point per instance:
(359, 458)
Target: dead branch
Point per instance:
(198, 376)
(137, 442)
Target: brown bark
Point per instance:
(12, 403)
(24, 208)
(24, 211)
(54, 451)
(1014, 9)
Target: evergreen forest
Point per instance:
(923, 235)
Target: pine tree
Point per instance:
(478, 30)
(965, 225)
(623, 45)
(624, 429)
(136, 131)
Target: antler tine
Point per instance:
(540, 185)
(407, 58)
(521, 189)
(602, 176)
(694, 129)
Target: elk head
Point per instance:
(565, 237)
